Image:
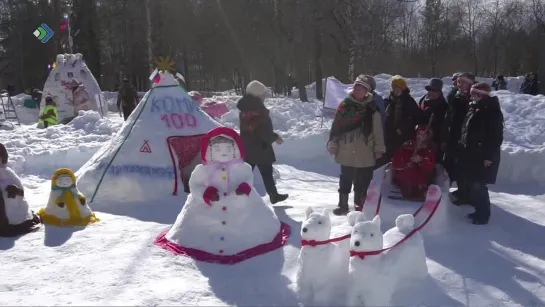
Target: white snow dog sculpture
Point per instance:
(323, 259)
(16, 218)
(374, 273)
(224, 220)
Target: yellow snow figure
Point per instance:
(66, 205)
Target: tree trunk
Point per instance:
(318, 74)
(541, 72)
(149, 41)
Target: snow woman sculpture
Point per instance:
(224, 220)
(16, 218)
(66, 205)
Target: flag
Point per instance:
(155, 77)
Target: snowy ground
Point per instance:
(115, 263)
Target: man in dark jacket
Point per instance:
(454, 88)
(256, 132)
(530, 85)
(402, 116)
(480, 142)
(499, 83)
(127, 98)
(434, 107)
(452, 127)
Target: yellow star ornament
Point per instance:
(165, 64)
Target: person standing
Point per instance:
(48, 116)
(126, 99)
(402, 116)
(434, 107)
(499, 83)
(454, 87)
(256, 132)
(356, 141)
(480, 142)
(450, 134)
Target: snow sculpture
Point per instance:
(224, 220)
(323, 259)
(386, 269)
(16, 218)
(71, 68)
(66, 205)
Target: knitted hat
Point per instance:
(256, 88)
(456, 75)
(468, 76)
(481, 88)
(434, 84)
(399, 82)
(363, 81)
(372, 82)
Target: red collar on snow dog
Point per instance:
(362, 255)
(314, 243)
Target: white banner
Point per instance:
(335, 92)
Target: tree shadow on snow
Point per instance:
(163, 212)
(7, 242)
(473, 252)
(424, 293)
(295, 234)
(518, 189)
(57, 236)
(254, 282)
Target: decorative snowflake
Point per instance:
(165, 64)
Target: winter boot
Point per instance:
(458, 199)
(359, 200)
(276, 198)
(342, 208)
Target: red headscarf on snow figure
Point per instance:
(222, 147)
(207, 143)
(413, 164)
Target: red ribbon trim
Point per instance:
(314, 243)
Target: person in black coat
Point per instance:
(434, 104)
(402, 116)
(530, 85)
(256, 132)
(480, 147)
(454, 87)
(450, 135)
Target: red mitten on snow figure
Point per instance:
(243, 189)
(210, 195)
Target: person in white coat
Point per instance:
(16, 218)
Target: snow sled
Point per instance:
(439, 177)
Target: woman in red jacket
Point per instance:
(413, 164)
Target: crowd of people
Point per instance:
(462, 131)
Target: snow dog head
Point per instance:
(63, 178)
(317, 225)
(366, 235)
(221, 145)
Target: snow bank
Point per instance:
(42, 151)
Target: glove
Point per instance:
(332, 148)
(13, 190)
(243, 189)
(210, 195)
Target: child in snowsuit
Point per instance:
(413, 164)
(356, 141)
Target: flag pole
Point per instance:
(70, 40)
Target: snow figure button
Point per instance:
(66, 205)
(222, 181)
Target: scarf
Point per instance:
(353, 119)
(250, 120)
(64, 190)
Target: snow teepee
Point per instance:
(67, 69)
(154, 152)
